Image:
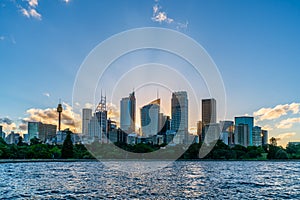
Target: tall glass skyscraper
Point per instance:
(246, 120)
(150, 118)
(179, 110)
(127, 116)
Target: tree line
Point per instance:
(221, 151)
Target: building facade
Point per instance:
(86, 117)
(179, 111)
(249, 121)
(241, 135)
(257, 136)
(150, 118)
(128, 115)
(264, 137)
(209, 111)
(42, 131)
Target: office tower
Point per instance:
(179, 110)
(212, 133)
(150, 118)
(42, 131)
(94, 129)
(256, 136)
(227, 132)
(127, 116)
(264, 137)
(248, 121)
(209, 111)
(241, 135)
(164, 123)
(86, 117)
(101, 114)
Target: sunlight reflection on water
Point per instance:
(180, 180)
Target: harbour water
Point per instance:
(178, 180)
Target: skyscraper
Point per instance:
(179, 111)
(209, 111)
(42, 131)
(257, 141)
(247, 121)
(264, 137)
(150, 118)
(127, 116)
(227, 132)
(241, 134)
(101, 114)
(86, 117)
(94, 129)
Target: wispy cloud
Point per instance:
(267, 127)
(276, 112)
(33, 3)
(28, 8)
(288, 123)
(159, 15)
(46, 94)
(284, 136)
(2, 38)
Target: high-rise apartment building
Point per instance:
(127, 116)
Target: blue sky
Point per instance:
(255, 44)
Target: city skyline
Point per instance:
(256, 59)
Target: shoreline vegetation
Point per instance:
(39, 152)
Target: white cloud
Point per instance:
(35, 14)
(113, 112)
(70, 119)
(33, 3)
(25, 12)
(288, 123)
(88, 105)
(29, 9)
(276, 112)
(161, 16)
(46, 94)
(66, 1)
(2, 38)
(267, 127)
(285, 136)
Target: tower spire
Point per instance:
(59, 110)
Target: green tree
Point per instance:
(281, 154)
(67, 148)
(20, 141)
(35, 141)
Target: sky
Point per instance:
(255, 45)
